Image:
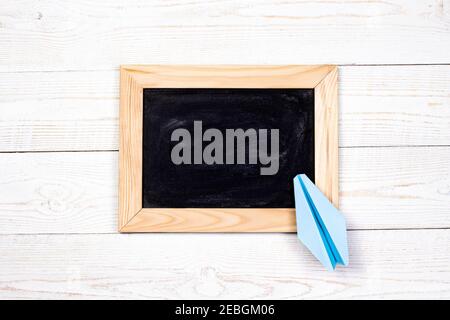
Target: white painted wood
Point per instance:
(84, 35)
(406, 187)
(379, 106)
(394, 106)
(59, 192)
(59, 91)
(53, 111)
(383, 264)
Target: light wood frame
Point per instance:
(134, 78)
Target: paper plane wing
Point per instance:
(320, 226)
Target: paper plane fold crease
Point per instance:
(320, 226)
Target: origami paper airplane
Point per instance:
(320, 226)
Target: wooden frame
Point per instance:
(134, 78)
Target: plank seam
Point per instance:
(339, 65)
(192, 233)
(343, 147)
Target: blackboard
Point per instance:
(221, 185)
(215, 148)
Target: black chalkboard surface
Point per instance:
(166, 184)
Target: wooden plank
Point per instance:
(77, 35)
(58, 192)
(379, 106)
(59, 111)
(77, 192)
(380, 186)
(384, 264)
(394, 106)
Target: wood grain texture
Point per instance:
(68, 53)
(130, 148)
(395, 106)
(54, 35)
(379, 106)
(59, 111)
(406, 187)
(383, 264)
(212, 220)
(228, 76)
(59, 192)
(326, 136)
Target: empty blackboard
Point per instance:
(218, 184)
(215, 148)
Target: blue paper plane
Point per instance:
(320, 226)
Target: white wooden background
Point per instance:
(59, 65)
